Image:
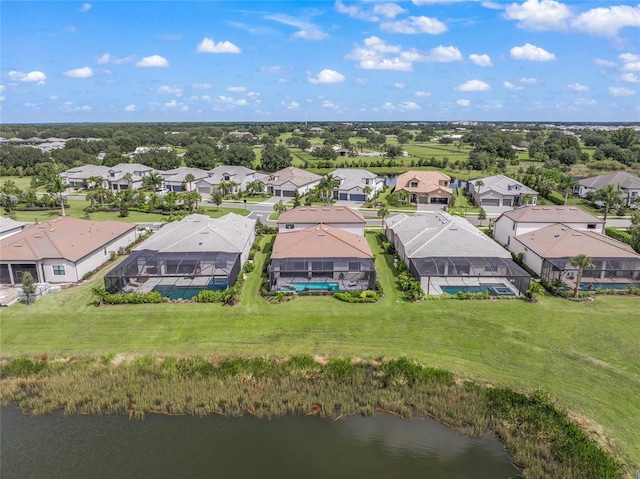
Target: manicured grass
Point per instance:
(585, 355)
(23, 183)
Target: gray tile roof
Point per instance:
(8, 224)
(551, 214)
(441, 234)
(504, 185)
(197, 233)
(236, 173)
(353, 178)
(619, 179)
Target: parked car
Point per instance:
(162, 191)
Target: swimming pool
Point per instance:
(188, 292)
(494, 289)
(594, 286)
(326, 286)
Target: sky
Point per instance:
(263, 61)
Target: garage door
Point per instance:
(423, 200)
(490, 202)
(439, 201)
(358, 198)
(277, 192)
(507, 202)
(344, 196)
(204, 189)
(289, 194)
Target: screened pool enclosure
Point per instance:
(497, 276)
(317, 274)
(609, 273)
(175, 275)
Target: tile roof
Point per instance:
(179, 174)
(291, 174)
(619, 179)
(441, 234)
(8, 224)
(503, 185)
(551, 214)
(320, 241)
(562, 241)
(353, 178)
(321, 214)
(428, 181)
(65, 237)
(194, 233)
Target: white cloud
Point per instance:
(207, 45)
(84, 72)
(362, 81)
(444, 54)
(492, 5)
(388, 10)
(131, 107)
(631, 61)
(388, 106)
(607, 21)
(241, 102)
(273, 69)
(355, 11)
(473, 85)
(577, 87)
(604, 63)
(104, 58)
(413, 25)
(171, 104)
(327, 76)
(621, 91)
(511, 86)
(294, 105)
(2, 87)
(409, 105)
(31, 104)
(399, 85)
(634, 66)
(386, 64)
(3, 98)
(532, 53)
(328, 104)
(306, 30)
(433, 2)
(529, 81)
(481, 60)
(70, 29)
(630, 77)
(422, 94)
(585, 102)
(201, 86)
(108, 58)
(171, 90)
(34, 76)
(237, 89)
(85, 7)
(463, 102)
(539, 14)
(153, 61)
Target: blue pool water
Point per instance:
(594, 286)
(188, 292)
(495, 289)
(315, 286)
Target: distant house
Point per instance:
(353, 183)
(447, 254)
(240, 134)
(146, 149)
(425, 187)
(548, 252)
(303, 217)
(321, 258)
(117, 176)
(525, 219)
(62, 250)
(286, 182)
(175, 180)
(187, 256)
(239, 175)
(9, 226)
(77, 177)
(500, 190)
(626, 183)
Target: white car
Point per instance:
(162, 191)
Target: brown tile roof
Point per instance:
(65, 237)
(320, 241)
(291, 174)
(321, 214)
(428, 181)
(562, 241)
(551, 214)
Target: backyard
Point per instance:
(584, 355)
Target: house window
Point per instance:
(591, 226)
(289, 227)
(414, 184)
(58, 270)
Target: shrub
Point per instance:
(249, 266)
(208, 296)
(366, 296)
(134, 298)
(22, 367)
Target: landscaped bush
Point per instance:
(249, 266)
(366, 296)
(134, 298)
(412, 288)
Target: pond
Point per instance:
(108, 446)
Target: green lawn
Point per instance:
(585, 355)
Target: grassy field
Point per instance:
(585, 355)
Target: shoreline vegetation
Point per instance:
(541, 439)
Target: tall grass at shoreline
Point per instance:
(539, 437)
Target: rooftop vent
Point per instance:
(312, 209)
(17, 245)
(339, 209)
(576, 234)
(573, 208)
(326, 209)
(303, 209)
(534, 208)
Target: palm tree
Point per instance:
(609, 196)
(57, 186)
(152, 181)
(189, 178)
(567, 183)
(255, 187)
(128, 177)
(479, 184)
(94, 181)
(383, 212)
(524, 199)
(280, 207)
(581, 262)
(327, 185)
(367, 191)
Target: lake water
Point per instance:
(112, 446)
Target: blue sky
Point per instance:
(431, 60)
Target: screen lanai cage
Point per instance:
(497, 276)
(609, 273)
(321, 274)
(175, 275)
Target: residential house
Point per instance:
(124, 176)
(303, 217)
(353, 183)
(525, 219)
(425, 187)
(77, 177)
(62, 250)
(321, 258)
(187, 256)
(175, 180)
(626, 183)
(500, 190)
(548, 252)
(286, 182)
(447, 254)
(239, 175)
(9, 226)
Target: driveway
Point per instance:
(429, 207)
